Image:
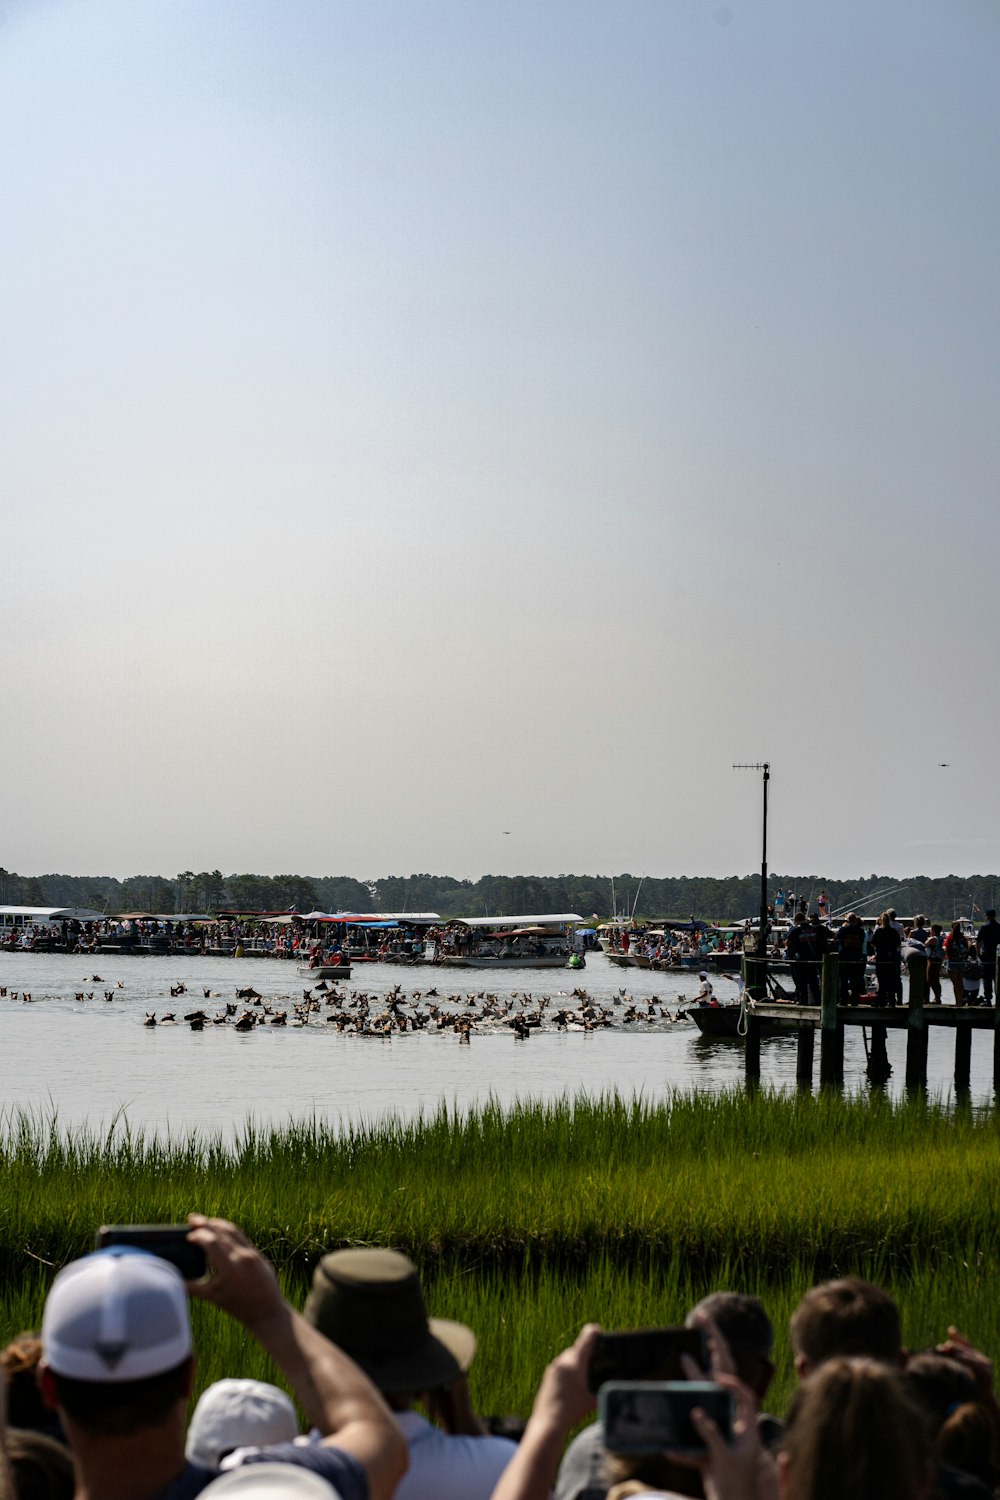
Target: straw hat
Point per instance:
(370, 1304)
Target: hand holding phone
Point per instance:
(169, 1241)
(654, 1416)
(646, 1354)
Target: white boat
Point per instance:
(325, 971)
(536, 942)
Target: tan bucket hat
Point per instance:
(370, 1304)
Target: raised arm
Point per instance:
(336, 1396)
(563, 1399)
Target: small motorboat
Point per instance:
(325, 971)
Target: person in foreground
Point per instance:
(118, 1361)
(370, 1304)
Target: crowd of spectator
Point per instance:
(96, 1403)
(967, 958)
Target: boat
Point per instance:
(725, 1022)
(325, 971)
(536, 942)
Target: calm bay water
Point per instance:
(89, 1061)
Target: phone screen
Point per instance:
(646, 1416)
(169, 1241)
(645, 1354)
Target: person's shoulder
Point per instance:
(190, 1482)
(341, 1469)
(583, 1465)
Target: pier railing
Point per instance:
(831, 1019)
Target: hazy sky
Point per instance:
(428, 418)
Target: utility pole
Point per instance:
(758, 989)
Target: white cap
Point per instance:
(118, 1315)
(703, 975)
(272, 1482)
(238, 1414)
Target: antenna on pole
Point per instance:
(758, 989)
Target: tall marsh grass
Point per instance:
(527, 1222)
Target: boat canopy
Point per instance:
(51, 913)
(374, 918)
(558, 920)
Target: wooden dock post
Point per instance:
(804, 1056)
(963, 1059)
(831, 1031)
(916, 1028)
(879, 1069)
(752, 1051)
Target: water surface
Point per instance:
(90, 1060)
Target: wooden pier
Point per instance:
(832, 1019)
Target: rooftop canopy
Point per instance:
(559, 919)
(52, 913)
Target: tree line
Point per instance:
(721, 898)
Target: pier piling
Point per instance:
(963, 1059)
(916, 1028)
(879, 1069)
(804, 1057)
(831, 1029)
(751, 1061)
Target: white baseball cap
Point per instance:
(272, 1482)
(238, 1414)
(120, 1314)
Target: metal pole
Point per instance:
(763, 866)
(758, 988)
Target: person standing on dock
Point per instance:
(885, 944)
(851, 948)
(807, 943)
(987, 944)
(956, 947)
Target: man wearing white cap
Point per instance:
(117, 1364)
(705, 992)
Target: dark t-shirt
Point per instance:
(808, 942)
(340, 1469)
(988, 940)
(851, 942)
(884, 943)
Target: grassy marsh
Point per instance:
(528, 1221)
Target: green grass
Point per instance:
(528, 1222)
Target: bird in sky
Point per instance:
(943, 764)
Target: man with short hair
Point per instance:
(118, 1364)
(851, 948)
(987, 943)
(808, 941)
(845, 1317)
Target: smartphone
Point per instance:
(645, 1354)
(652, 1416)
(168, 1241)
